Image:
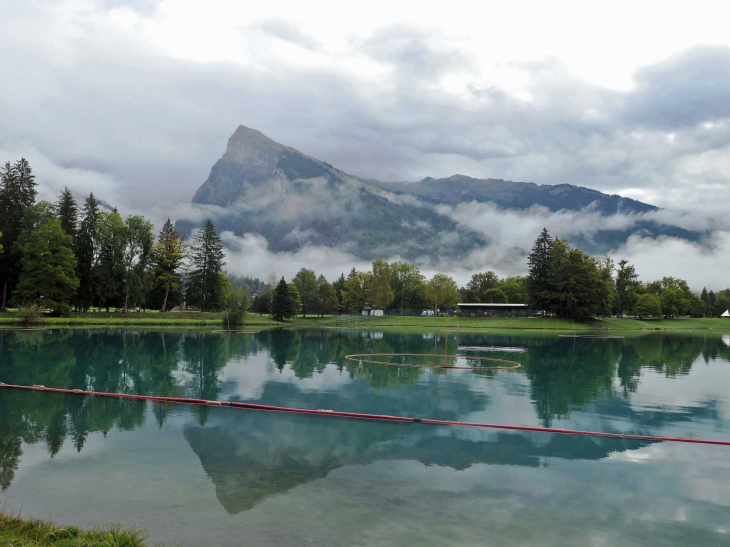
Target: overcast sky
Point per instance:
(136, 99)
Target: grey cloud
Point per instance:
(414, 52)
(96, 108)
(689, 88)
(284, 30)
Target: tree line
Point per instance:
(568, 283)
(58, 257)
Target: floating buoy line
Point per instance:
(362, 416)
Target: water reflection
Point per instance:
(250, 456)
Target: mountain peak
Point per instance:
(249, 145)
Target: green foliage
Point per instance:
(442, 292)
(204, 288)
(168, 259)
(48, 269)
(281, 303)
(306, 283)
(627, 288)
(479, 284)
(326, 297)
(295, 301)
(261, 303)
(407, 284)
(237, 304)
(648, 305)
(575, 284)
(67, 212)
(538, 279)
(109, 274)
(137, 258)
(31, 314)
(380, 293)
(87, 252)
(356, 294)
(493, 295)
(17, 192)
(339, 286)
(515, 289)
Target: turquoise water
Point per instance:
(197, 476)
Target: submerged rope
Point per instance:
(358, 415)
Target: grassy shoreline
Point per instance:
(20, 532)
(214, 320)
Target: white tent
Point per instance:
(726, 314)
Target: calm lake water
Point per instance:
(214, 476)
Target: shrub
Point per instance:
(236, 307)
(31, 314)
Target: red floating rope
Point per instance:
(358, 415)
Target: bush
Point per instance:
(236, 307)
(31, 314)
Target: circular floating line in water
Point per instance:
(591, 336)
(359, 357)
(239, 331)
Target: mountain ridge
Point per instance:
(295, 200)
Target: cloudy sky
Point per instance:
(136, 99)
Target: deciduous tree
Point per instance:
(48, 269)
(306, 283)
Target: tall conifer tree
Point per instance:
(204, 289)
(538, 279)
(67, 212)
(168, 258)
(17, 191)
(87, 252)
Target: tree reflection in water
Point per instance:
(250, 456)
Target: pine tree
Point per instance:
(539, 270)
(339, 286)
(204, 289)
(67, 212)
(168, 257)
(87, 253)
(281, 304)
(17, 191)
(48, 269)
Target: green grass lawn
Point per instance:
(214, 319)
(546, 323)
(18, 532)
(152, 318)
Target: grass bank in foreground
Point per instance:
(36, 533)
(549, 323)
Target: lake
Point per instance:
(216, 475)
